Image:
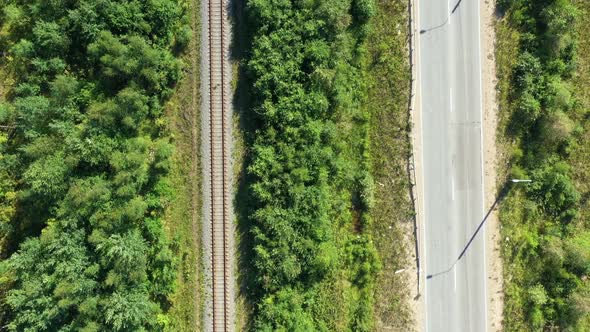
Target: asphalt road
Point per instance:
(451, 105)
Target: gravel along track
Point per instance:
(217, 142)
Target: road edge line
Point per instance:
(417, 159)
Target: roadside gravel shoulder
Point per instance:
(495, 294)
(419, 276)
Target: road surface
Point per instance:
(451, 104)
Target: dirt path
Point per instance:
(495, 294)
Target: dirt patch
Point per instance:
(495, 295)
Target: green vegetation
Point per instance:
(85, 155)
(183, 215)
(99, 174)
(544, 122)
(314, 261)
(389, 91)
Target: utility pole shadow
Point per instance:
(503, 192)
(423, 31)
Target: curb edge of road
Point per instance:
(415, 164)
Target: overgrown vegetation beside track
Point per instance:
(314, 258)
(182, 218)
(545, 137)
(323, 84)
(85, 153)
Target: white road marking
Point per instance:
(451, 99)
(453, 188)
(455, 277)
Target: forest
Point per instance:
(84, 155)
(544, 123)
(88, 173)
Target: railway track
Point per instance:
(217, 190)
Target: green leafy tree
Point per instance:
(83, 164)
(553, 189)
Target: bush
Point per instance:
(554, 190)
(537, 298)
(556, 129)
(363, 10)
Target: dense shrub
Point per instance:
(305, 64)
(553, 189)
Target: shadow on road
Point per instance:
(503, 192)
(456, 7)
(423, 31)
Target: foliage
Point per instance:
(554, 191)
(545, 237)
(86, 246)
(308, 168)
(390, 125)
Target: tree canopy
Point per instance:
(82, 169)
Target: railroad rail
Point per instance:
(217, 171)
